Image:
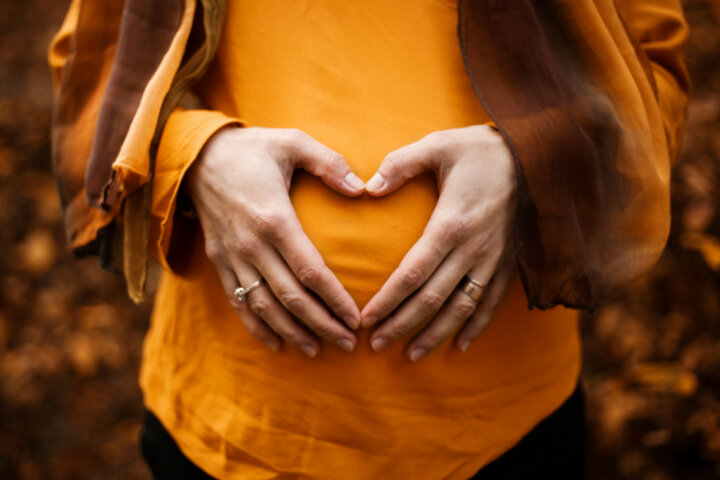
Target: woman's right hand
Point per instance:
(239, 185)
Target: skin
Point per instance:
(467, 234)
(247, 171)
(239, 185)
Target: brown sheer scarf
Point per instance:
(570, 93)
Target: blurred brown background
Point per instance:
(70, 341)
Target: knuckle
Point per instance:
(235, 303)
(435, 250)
(246, 245)
(391, 162)
(297, 134)
(335, 301)
(268, 223)
(440, 140)
(430, 302)
(212, 251)
(293, 137)
(433, 339)
(397, 330)
(292, 300)
(324, 330)
(294, 338)
(334, 162)
(310, 275)
(437, 135)
(464, 309)
(259, 306)
(412, 279)
(455, 230)
(290, 334)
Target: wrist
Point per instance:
(194, 176)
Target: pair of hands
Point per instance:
(239, 185)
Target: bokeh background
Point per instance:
(70, 341)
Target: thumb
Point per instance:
(398, 167)
(328, 165)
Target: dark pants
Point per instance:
(555, 448)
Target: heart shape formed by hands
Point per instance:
(466, 234)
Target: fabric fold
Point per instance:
(588, 138)
(119, 69)
(184, 136)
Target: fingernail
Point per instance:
(368, 321)
(346, 344)
(378, 344)
(352, 322)
(464, 345)
(417, 354)
(376, 183)
(354, 181)
(273, 346)
(308, 350)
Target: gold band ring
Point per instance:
(473, 289)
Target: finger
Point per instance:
(424, 304)
(254, 325)
(327, 164)
(296, 300)
(402, 164)
(306, 263)
(454, 314)
(415, 268)
(263, 304)
(486, 308)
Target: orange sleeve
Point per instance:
(185, 134)
(660, 29)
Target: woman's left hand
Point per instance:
(469, 233)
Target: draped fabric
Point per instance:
(118, 67)
(575, 98)
(117, 81)
(577, 103)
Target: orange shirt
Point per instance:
(364, 78)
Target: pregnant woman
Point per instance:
(339, 219)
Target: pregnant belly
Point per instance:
(363, 239)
